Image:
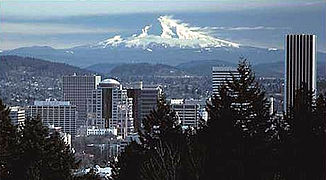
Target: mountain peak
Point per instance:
(175, 33)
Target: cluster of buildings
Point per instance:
(95, 107)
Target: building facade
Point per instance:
(77, 89)
(188, 112)
(17, 115)
(110, 107)
(59, 114)
(300, 66)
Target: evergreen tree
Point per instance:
(128, 165)
(304, 150)
(8, 143)
(58, 160)
(250, 108)
(42, 156)
(222, 138)
(165, 144)
(161, 152)
(238, 118)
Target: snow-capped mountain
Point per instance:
(174, 34)
(175, 43)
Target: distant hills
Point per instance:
(16, 65)
(84, 56)
(24, 79)
(137, 69)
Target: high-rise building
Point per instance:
(188, 112)
(17, 115)
(110, 107)
(59, 114)
(222, 74)
(77, 89)
(300, 66)
(145, 99)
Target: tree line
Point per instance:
(241, 140)
(32, 152)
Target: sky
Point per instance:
(68, 23)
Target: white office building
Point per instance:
(17, 115)
(55, 114)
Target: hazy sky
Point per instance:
(41, 8)
(66, 23)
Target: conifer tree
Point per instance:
(164, 142)
(238, 118)
(128, 165)
(304, 150)
(42, 155)
(8, 143)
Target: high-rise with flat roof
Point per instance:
(77, 89)
(300, 66)
(59, 114)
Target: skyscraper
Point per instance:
(222, 74)
(300, 66)
(55, 114)
(76, 90)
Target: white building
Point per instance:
(188, 112)
(77, 89)
(100, 132)
(55, 113)
(300, 66)
(220, 75)
(110, 107)
(17, 115)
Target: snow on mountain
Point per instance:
(174, 34)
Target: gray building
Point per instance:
(300, 66)
(77, 89)
(59, 114)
